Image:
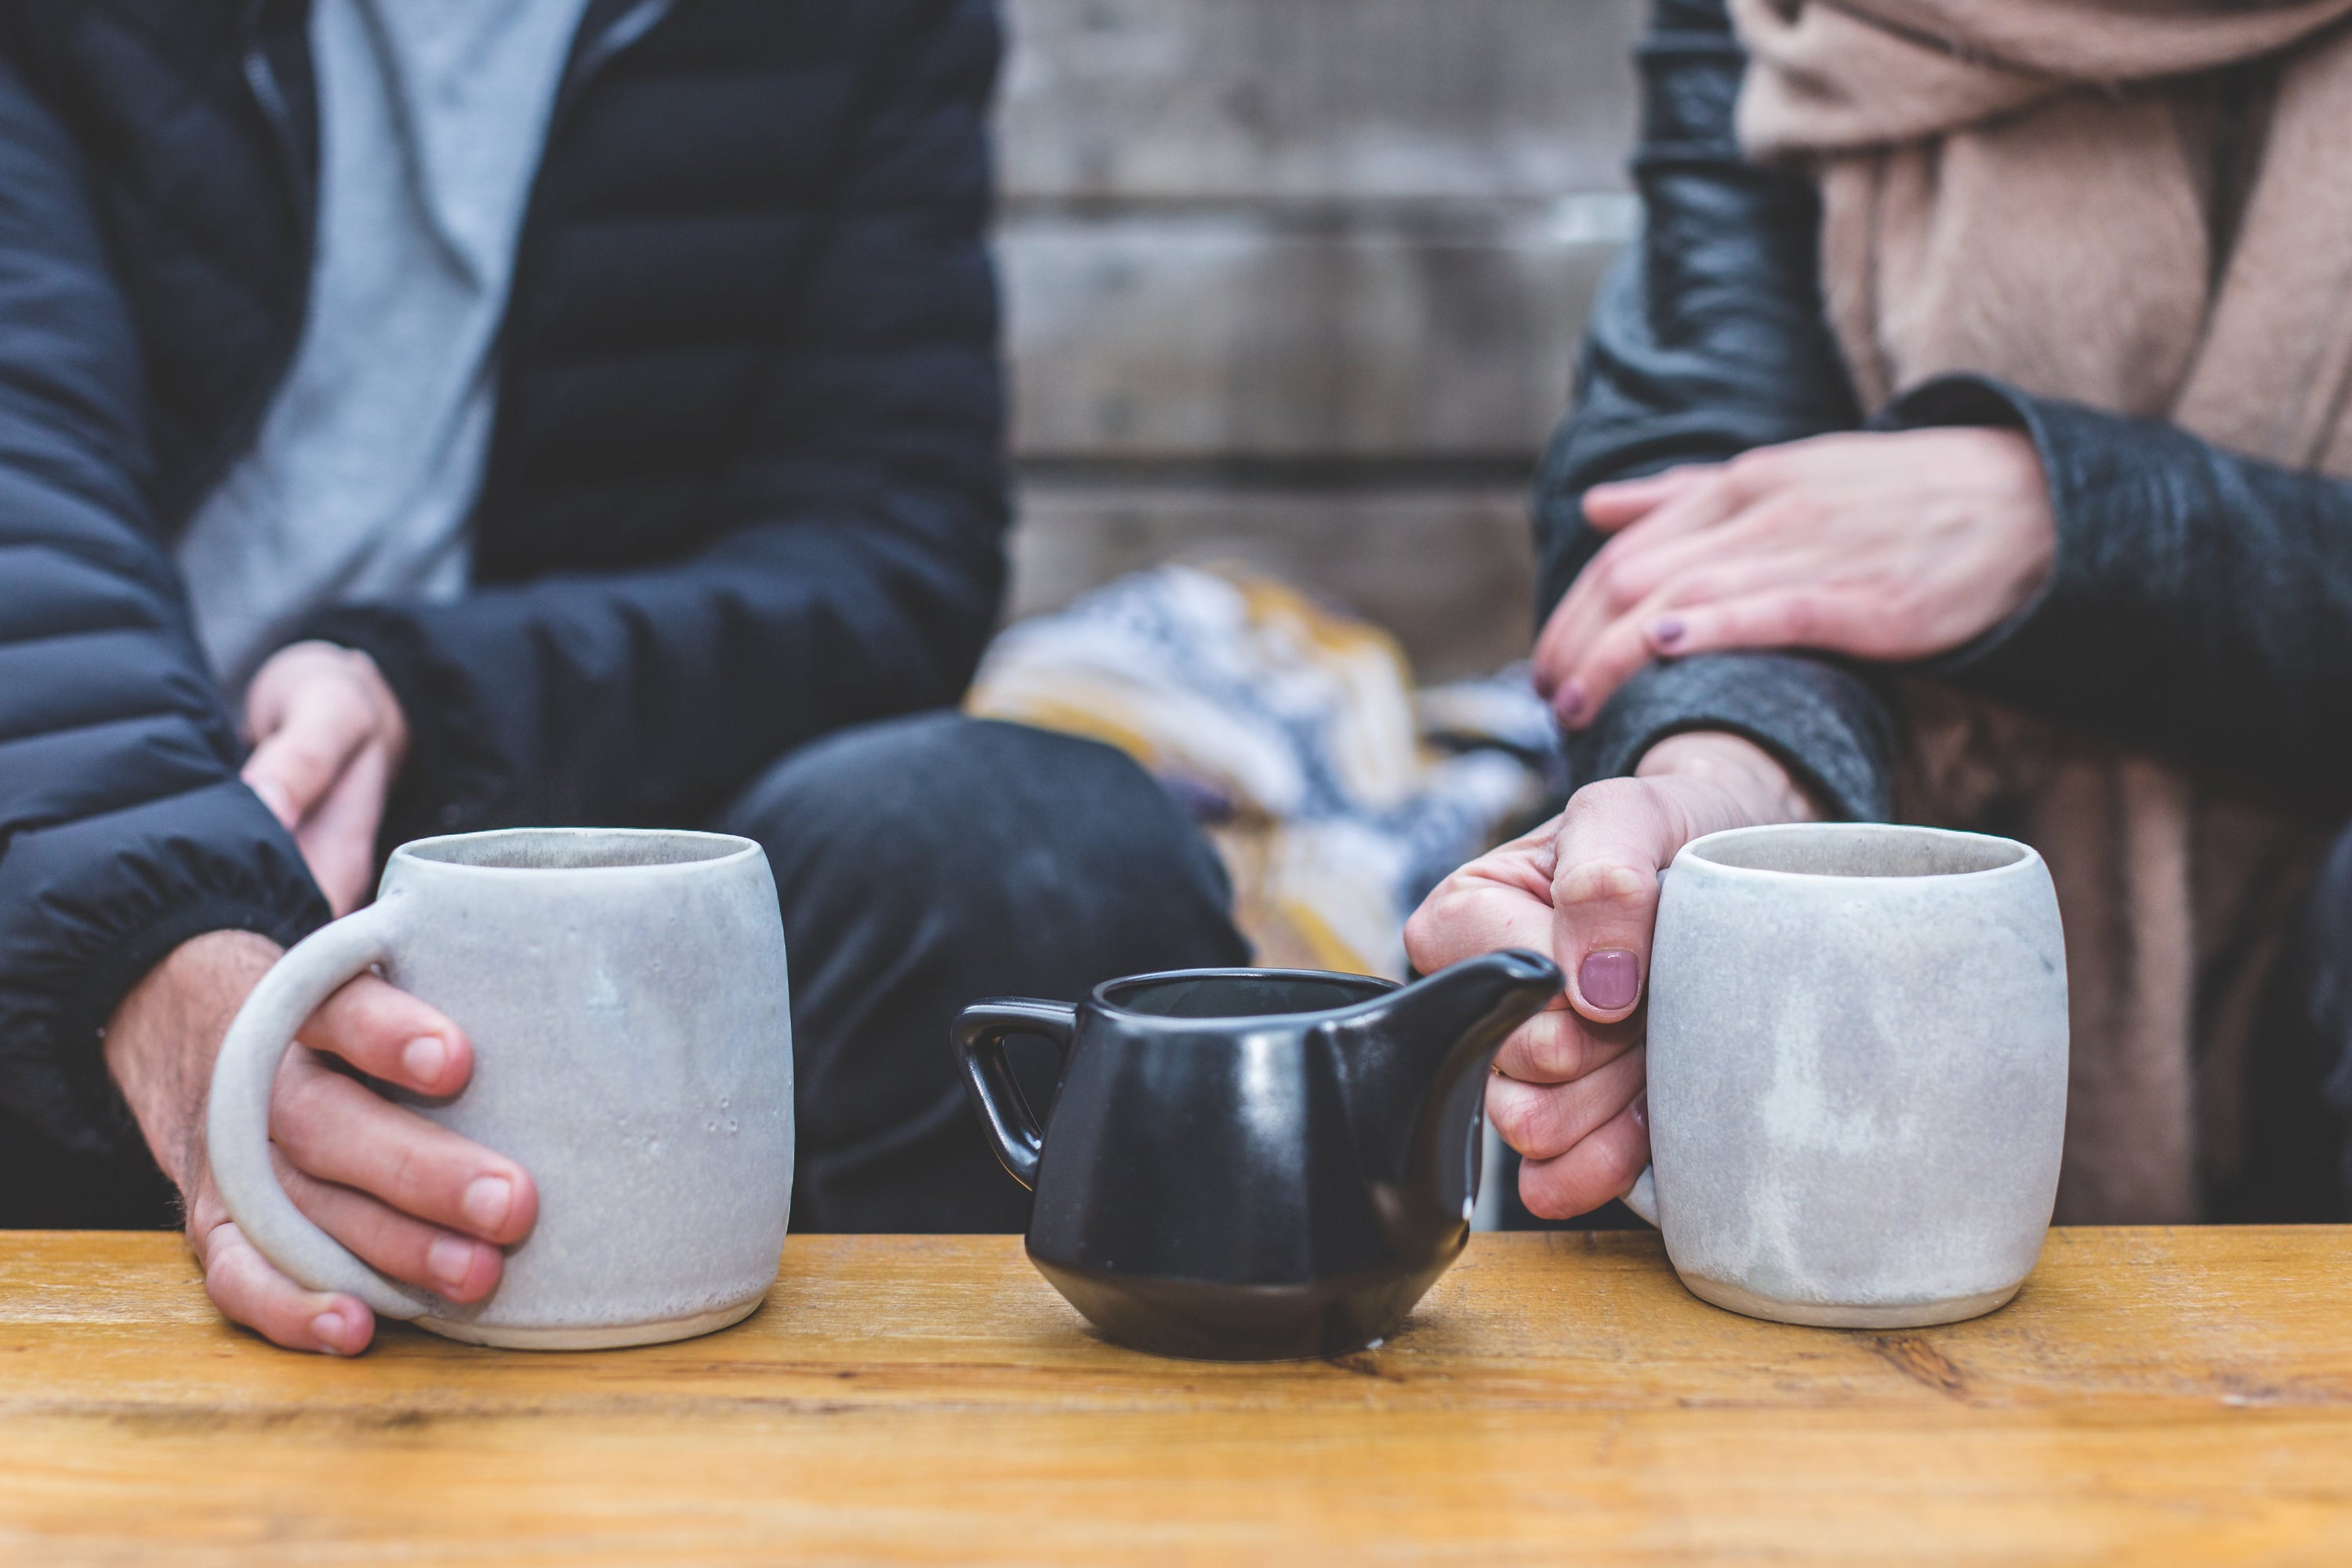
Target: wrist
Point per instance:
(1753, 787)
(162, 1038)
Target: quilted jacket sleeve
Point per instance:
(1708, 339)
(862, 571)
(124, 829)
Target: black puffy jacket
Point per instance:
(745, 484)
(2201, 603)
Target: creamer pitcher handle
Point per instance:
(237, 1125)
(979, 1036)
(1641, 1197)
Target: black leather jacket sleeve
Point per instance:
(123, 829)
(1708, 339)
(2201, 604)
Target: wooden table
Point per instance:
(2153, 1397)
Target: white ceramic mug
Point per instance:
(626, 997)
(1857, 1071)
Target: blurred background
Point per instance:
(1297, 284)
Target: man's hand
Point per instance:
(329, 737)
(415, 1199)
(1890, 545)
(1568, 1090)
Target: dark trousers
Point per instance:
(921, 863)
(2297, 1163)
(925, 863)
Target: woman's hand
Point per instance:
(1568, 1090)
(329, 737)
(1889, 546)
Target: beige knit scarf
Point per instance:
(2042, 190)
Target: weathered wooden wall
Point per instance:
(1299, 283)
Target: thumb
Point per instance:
(298, 761)
(1614, 838)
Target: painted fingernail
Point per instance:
(1642, 1113)
(424, 1058)
(449, 1260)
(1569, 702)
(1667, 632)
(329, 1329)
(1609, 979)
(487, 1202)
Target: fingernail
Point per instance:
(1609, 979)
(329, 1329)
(449, 1260)
(424, 1058)
(1569, 702)
(1667, 632)
(1642, 1113)
(488, 1201)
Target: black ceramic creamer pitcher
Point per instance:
(1252, 1164)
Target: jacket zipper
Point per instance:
(302, 185)
(269, 96)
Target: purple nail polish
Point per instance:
(1609, 979)
(1569, 702)
(1668, 631)
(1642, 1113)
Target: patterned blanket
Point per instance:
(1336, 794)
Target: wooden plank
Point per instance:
(1448, 570)
(1196, 101)
(2153, 1397)
(1156, 337)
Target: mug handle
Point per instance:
(237, 1125)
(978, 1035)
(1641, 1197)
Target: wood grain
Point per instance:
(1447, 568)
(1202, 336)
(1316, 101)
(2153, 1397)
(1336, 238)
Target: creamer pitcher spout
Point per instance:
(1415, 1067)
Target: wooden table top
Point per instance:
(2152, 1397)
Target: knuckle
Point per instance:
(1546, 1190)
(304, 1097)
(1516, 1110)
(1609, 584)
(1601, 800)
(1421, 930)
(1793, 512)
(1888, 609)
(1606, 881)
(1556, 1054)
(1506, 1113)
(410, 1178)
(312, 754)
(1694, 588)
(1754, 470)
